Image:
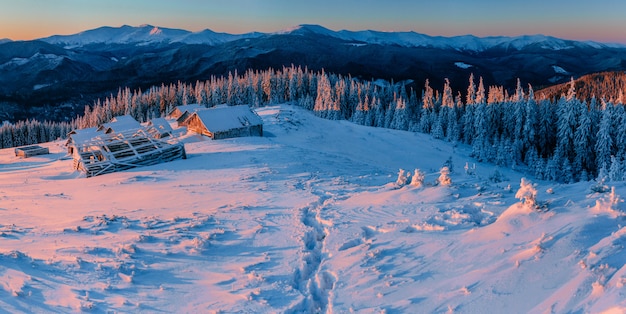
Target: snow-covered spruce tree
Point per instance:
(470, 170)
(467, 121)
(428, 109)
(400, 117)
(620, 139)
(527, 194)
(566, 125)
(418, 178)
(324, 102)
(584, 158)
(453, 131)
(444, 176)
(360, 114)
(529, 128)
(545, 129)
(403, 178)
(480, 141)
(438, 125)
(615, 170)
(471, 91)
(604, 141)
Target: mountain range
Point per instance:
(78, 68)
(148, 34)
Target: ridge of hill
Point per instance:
(608, 85)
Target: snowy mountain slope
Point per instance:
(144, 34)
(461, 43)
(305, 219)
(148, 34)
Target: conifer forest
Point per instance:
(565, 139)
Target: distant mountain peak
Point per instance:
(156, 31)
(305, 29)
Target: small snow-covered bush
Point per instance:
(403, 177)
(609, 205)
(418, 178)
(600, 184)
(470, 170)
(444, 176)
(449, 164)
(527, 193)
(497, 177)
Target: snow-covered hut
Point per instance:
(226, 122)
(159, 128)
(124, 150)
(181, 113)
(78, 137)
(120, 124)
(32, 150)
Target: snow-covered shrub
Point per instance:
(614, 199)
(449, 164)
(470, 170)
(403, 177)
(444, 176)
(527, 193)
(609, 205)
(600, 183)
(418, 178)
(497, 177)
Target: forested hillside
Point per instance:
(565, 139)
(607, 85)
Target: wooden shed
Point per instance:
(180, 110)
(159, 128)
(120, 124)
(181, 113)
(226, 122)
(120, 151)
(31, 150)
(78, 137)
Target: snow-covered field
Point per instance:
(305, 219)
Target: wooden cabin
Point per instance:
(178, 111)
(225, 122)
(31, 150)
(120, 124)
(78, 137)
(181, 113)
(159, 128)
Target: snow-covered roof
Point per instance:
(226, 118)
(160, 124)
(121, 123)
(190, 108)
(80, 136)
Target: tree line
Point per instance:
(565, 139)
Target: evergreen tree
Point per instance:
(428, 109)
(400, 117)
(604, 142)
(480, 141)
(471, 91)
(583, 143)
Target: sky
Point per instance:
(598, 20)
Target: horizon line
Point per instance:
(294, 27)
